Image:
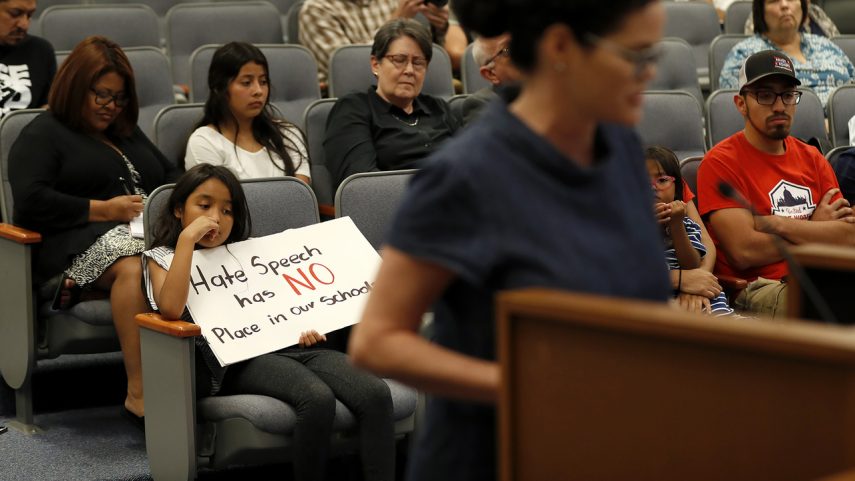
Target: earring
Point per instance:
(559, 67)
(375, 73)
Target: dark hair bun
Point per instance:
(485, 17)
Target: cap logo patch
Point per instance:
(783, 64)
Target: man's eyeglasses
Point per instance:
(400, 62)
(662, 182)
(505, 52)
(769, 97)
(639, 58)
(103, 98)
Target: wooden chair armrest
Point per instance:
(326, 210)
(175, 328)
(19, 234)
(732, 284)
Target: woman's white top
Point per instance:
(207, 146)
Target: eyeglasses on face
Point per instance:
(505, 52)
(400, 62)
(662, 182)
(641, 59)
(769, 97)
(103, 98)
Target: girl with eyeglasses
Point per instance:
(392, 125)
(79, 173)
(685, 249)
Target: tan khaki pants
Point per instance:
(764, 296)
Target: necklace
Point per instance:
(411, 124)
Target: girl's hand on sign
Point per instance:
(310, 338)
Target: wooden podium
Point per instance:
(832, 269)
(599, 388)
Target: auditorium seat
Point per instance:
(676, 69)
(673, 119)
(315, 122)
(470, 73)
(131, 25)
(172, 128)
(185, 433)
(724, 120)
(842, 13)
(719, 48)
(736, 15)
(841, 108)
(698, 24)
(350, 71)
(371, 199)
(29, 329)
(191, 25)
(847, 43)
(292, 23)
(689, 170)
(293, 78)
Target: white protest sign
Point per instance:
(257, 296)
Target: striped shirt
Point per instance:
(159, 255)
(718, 305)
(328, 24)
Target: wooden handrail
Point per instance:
(175, 328)
(19, 234)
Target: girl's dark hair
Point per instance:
(670, 165)
(266, 127)
(400, 27)
(92, 58)
(526, 20)
(167, 227)
(758, 10)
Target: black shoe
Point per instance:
(137, 421)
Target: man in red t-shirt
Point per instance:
(788, 183)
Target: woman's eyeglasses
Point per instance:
(400, 62)
(639, 58)
(103, 98)
(662, 182)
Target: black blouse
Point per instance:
(55, 171)
(365, 133)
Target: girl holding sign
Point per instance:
(207, 209)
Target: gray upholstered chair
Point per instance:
(350, 71)
(676, 69)
(315, 122)
(842, 12)
(841, 108)
(293, 78)
(833, 154)
(183, 433)
(371, 199)
(689, 170)
(723, 120)
(29, 329)
(719, 48)
(673, 119)
(470, 73)
(847, 43)
(292, 22)
(191, 25)
(736, 15)
(697, 23)
(131, 25)
(173, 126)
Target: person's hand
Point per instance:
(693, 303)
(310, 338)
(437, 16)
(678, 210)
(123, 208)
(201, 227)
(828, 210)
(663, 212)
(409, 8)
(700, 283)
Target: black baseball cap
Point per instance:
(766, 64)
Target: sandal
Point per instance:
(74, 291)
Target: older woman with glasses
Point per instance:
(79, 173)
(393, 125)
